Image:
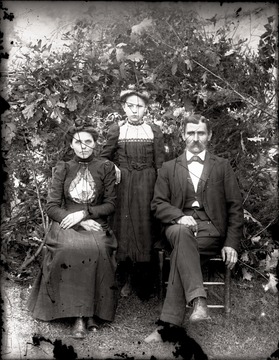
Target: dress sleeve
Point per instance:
(55, 197)
(111, 144)
(107, 206)
(159, 150)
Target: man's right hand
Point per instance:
(189, 222)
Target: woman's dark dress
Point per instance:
(138, 150)
(78, 271)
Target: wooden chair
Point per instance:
(223, 280)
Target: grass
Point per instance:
(251, 331)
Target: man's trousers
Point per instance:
(185, 279)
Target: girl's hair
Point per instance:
(76, 129)
(132, 91)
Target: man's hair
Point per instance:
(195, 119)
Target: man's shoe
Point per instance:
(200, 312)
(79, 329)
(154, 336)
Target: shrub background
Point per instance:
(185, 66)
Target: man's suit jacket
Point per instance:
(222, 199)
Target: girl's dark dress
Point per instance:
(77, 277)
(138, 150)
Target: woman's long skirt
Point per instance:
(77, 277)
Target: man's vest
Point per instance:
(191, 196)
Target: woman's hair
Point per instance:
(76, 129)
(132, 91)
(195, 119)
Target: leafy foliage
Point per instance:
(168, 51)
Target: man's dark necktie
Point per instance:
(195, 158)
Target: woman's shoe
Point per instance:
(92, 324)
(126, 290)
(79, 329)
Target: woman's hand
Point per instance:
(72, 219)
(117, 174)
(90, 225)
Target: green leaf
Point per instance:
(96, 77)
(272, 260)
(122, 71)
(174, 68)
(56, 114)
(188, 104)
(143, 26)
(150, 79)
(204, 77)
(212, 58)
(29, 111)
(246, 274)
(188, 64)
(36, 140)
(8, 131)
(121, 45)
(71, 103)
(135, 57)
(271, 284)
(78, 88)
(229, 52)
(255, 239)
(53, 99)
(244, 257)
(120, 54)
(38, 115)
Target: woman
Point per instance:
(77, 278)
(137, 149)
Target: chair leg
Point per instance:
(161, 255)
(227, 291)
(226, 283)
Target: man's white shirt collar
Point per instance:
(201, 155)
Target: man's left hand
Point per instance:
(229, 256)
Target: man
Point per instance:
(197, 199)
